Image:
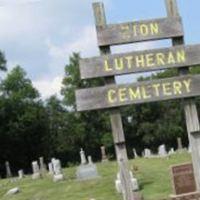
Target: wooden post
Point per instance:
(115, 116)
(191, 115)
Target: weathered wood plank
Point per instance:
(155, 29)
(115, 116)
(140, 92)
(192, 120)
(140, 61)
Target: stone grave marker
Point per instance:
(147, 153)
(36, 170)
(8, 170)
(21, 174)
(50, 166)
(162, 151)
(86, 171)
(103, 154)
(183, 181)
(58, 175)
(135, 153)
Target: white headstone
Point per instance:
(162, 151)
(21, 174)
(135, 153)
(118, 184)
(36, 170)
(171, 151)
(13, 191)
(90, 162)
(147, 153)
(58, 176)
(50, 166)
(83, 158)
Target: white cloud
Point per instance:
(49, 87)
(85, 43)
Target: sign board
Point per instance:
(189, 196)
(148, 91)
(183, 179)
(164, 28)
(140, 61)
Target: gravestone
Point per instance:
(86, 171)
(171, 151)
(58, 175)
(135, 153)
(184, 185)
(118, 184)
(103, 154)
(83, 157)
(147, 153)
(8, 170)
(36, 170)
(179, 144)
(21, 174)
(42, 165)
(162, 151)
(50, 166)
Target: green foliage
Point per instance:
(2, 62)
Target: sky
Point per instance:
(40, 35)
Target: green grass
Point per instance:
(153, 176)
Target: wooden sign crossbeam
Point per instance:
(115, 34)
(140, 92)
(140, 61)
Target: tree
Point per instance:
(87, 129)
(2, 62)
(23, 121)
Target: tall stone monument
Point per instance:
(103, 154)
(8, 170)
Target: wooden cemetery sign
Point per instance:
(114, 34)
(140, 61)
(112, 95)
(141, 92)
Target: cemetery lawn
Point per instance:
(153, 176)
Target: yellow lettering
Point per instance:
(139, 61)
(150, 60)
(156, 87)
(112, 96)
(129, 61)
(106, 66)
(181, 57)
(154, 28)
(160, 57)
(144, 93)
(134, 94)
(125, 31)
(167, 89)
(122, 94)
(187, 84)
(177, 85)
(144, 30)
(119, 63)
(135, 30)
(171, 59)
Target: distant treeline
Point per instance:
(31, 127)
